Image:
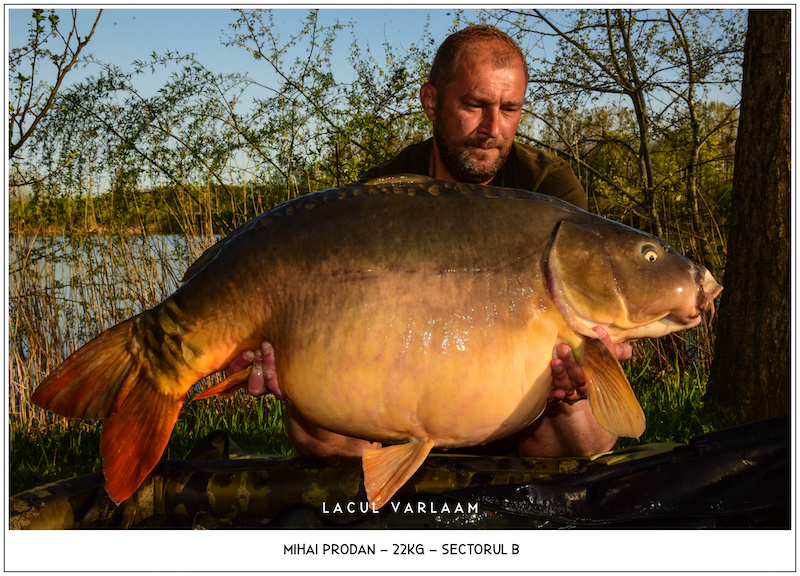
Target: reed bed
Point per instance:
(63, 291)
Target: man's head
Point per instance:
(505, 52)
(474, 98)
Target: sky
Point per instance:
(127, 34)
(136, 31)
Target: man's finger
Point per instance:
(241, 362)
(573, 369)
(622, 351)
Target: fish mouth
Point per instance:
(707, 290)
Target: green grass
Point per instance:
(39, 456)
(255, 424)
(71, 449)
(673, 405)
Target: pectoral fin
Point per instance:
(610, 395)
(387, 469)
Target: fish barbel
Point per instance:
(414, 312)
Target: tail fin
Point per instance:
(135, 436)
(139, 391)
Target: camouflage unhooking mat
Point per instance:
(737, 477)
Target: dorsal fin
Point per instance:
(399, 179)
(204, 259)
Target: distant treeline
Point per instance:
(166, 210)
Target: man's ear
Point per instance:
(427, 96)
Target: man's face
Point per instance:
(476, 117)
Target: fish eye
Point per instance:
(649, 253)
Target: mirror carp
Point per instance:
(414, 312)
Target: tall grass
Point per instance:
(672, 400)
(63, 291)
(64, 448)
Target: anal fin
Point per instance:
(387, 469)
(227, 387)
(613, 402)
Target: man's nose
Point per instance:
(490, 122)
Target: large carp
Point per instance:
(417, 313)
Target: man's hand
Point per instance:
(569, 382)
(263, 377)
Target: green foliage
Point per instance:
(625, 95)
(38, 456)
(672, 402)
(32, 85)
(255, 424)
(657, 155)
(324, 129)
(202, 150)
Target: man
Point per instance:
(474, 100)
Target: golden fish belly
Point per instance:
(458, 358)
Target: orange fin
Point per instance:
(227, 387)
(134, 438)
(387, 469)
(138, 392)
(95, 379)
(610, 395)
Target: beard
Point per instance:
(464, 162)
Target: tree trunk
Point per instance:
(750, 375)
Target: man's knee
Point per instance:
(565, 430)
